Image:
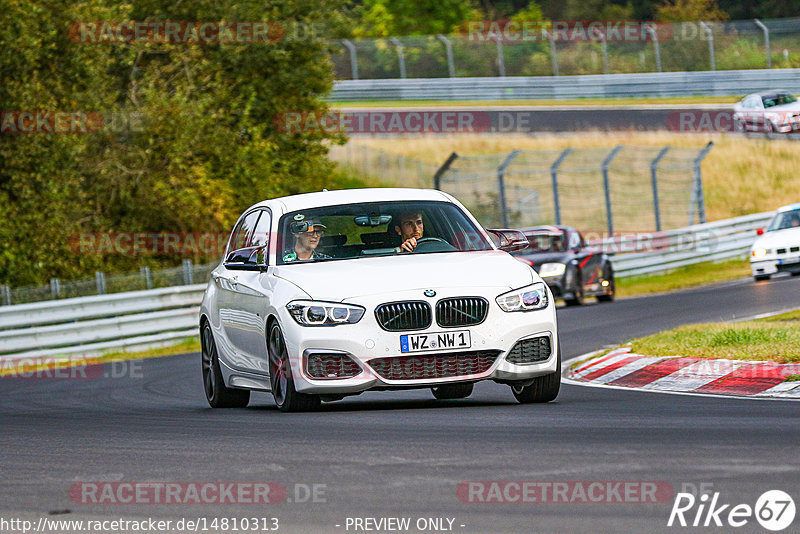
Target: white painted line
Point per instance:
(625, 370)
(789, 389)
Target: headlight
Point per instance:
(759, 252)
(552, 269)
(311, 313)
(533, 297)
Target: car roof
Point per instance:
(790, 207)
(352, 196)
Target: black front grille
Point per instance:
(461, 311)
(427, 366)
(331, 366)
(530, 350)
(781, 251)
(400, 316)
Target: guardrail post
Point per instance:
(187, 272)
(654, 184)
(437, 178)
(353, 57)
(649, 29)
(501, 64)
(501, 185)
(5, 293)
(607, 188)
(554, 179)
(448, 47)
(55, 287)
(401, 58)
(553, 52)
(148, 279)
(766, 41)
(100, 281)
(698, 185)
(710, 35)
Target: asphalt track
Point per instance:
(404, 454)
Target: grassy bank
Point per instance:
(775, 338)
(740, 175)
(683, 277)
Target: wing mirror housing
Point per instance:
(508, 240)
(247, 259)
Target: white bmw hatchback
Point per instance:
(329, 294)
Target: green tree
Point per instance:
(385, 18)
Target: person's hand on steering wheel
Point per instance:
(409, 245)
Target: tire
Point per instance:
(761, 277)
(611, 289)
(280, 376)
(452, 391)
(739, 126)
(543, 389)
(577, 293)
(218, 394)
(769, 128)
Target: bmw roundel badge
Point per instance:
(430, 293)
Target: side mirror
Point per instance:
(508, 240)
(247, 259)
(760, 231)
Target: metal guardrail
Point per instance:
(664, 251)
(653, 84)
(90, 326)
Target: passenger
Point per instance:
(409, 227)
(307, 235)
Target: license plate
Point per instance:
(784, 261)
(458, 339)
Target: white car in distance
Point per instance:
(318, 297)
(778, 248)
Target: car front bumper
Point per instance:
(366, 341)
(775, 265)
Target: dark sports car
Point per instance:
(571, 269)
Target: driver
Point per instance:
(307, 235)
(409, 228)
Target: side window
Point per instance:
(574, 240)
(243, 233)
(261, 234)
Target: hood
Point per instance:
(790, 237)
(342, 279)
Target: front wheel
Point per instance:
(280, 376)
(543, 389)
(761, 277)
(218, 394)
(577, 293)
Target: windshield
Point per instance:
(375, 229)
(778, 100)
(784, 220)
(546, 242)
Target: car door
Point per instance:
(244, 296)
(589, 262)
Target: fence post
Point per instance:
(448, 47)
(187, 272)
(401, 58)
(654, 184)
(649, 29)
(698, 182)
(604, 48)
(55, 287)
(100, 281)
(553, 52)
(766, 41)
(607, 189)
(554, 179)
(710, 34)
(501, 64)
(501, 185)
(353, 57)
(148, 280)
(437, 178)
(5, 292)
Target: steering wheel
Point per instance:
(433, 244)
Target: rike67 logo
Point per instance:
(774, 510)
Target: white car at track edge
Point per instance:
(778, 248)
(364, 313)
